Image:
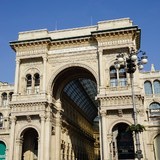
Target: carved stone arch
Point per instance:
(154, 100)
(5, 142)
(28, 69)
(118, 121)
(22, 130)
(147, 80)
(111, 62)
(84, 66)
(152, 136)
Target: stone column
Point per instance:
(47, 137)
(103, 139)
(39, 145)
(42, 137)
(19, 143)
(44, 73)
(16, 83)
(100, 67)
(12, 138)
(58, 130)
(101, 72)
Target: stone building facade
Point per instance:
(69, 102)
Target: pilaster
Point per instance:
(42, 137)
(12, 138)
(17, 76)
(44, 73)
(101, 70)
(103, 133)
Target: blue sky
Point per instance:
(20, 15)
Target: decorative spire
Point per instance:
(152, 68)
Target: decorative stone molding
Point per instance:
(32, 106)
(119, 100)
(102, 113)
(29, 119)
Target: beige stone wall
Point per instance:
(50, 53)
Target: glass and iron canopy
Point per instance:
(82, 92)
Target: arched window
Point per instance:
(118, 77)
(156, 85)
(156, 147)
(2, 151)
(1, 120)
(28, 83)
(4, 99)
(148, 88)
(10, 96)
(154, 109)
(36, 83)
(113, 76)
(122, 76)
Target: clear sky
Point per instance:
(21, 15)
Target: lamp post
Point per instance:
(130, 63)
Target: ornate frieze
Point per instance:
(116, 42)
(28, 107)
(70, 50)
(119, 101)
(31, 52)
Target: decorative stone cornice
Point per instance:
(28, 43)
(72, 41)
(116, 32)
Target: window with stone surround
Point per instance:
(28, 83)
(148, 88)
(36, 83)
(32, 83)
(1, 120)
(156, 85)
(154, 109)
(151, 88)
(118, 77)
(4, 99)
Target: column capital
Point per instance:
(45, 58)
(13, 119)
(100, 50)
(18, 60)
(102, 113)
(43, 117)
(19, 140)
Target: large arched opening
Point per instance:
(76, 88)
(122, 144)
(29, 144)
(157, 147)
(2, 150)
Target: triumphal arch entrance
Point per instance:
(67, 103)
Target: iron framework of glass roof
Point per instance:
(82, 92)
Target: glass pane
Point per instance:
(2, 151)
(148, 88)
(122, 82)
(113, 83)
(37, 79)
(112, 70)
(154, 109)
(156, 85)
(29, 80)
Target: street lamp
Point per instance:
(131, 62)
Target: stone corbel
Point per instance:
(28, 119)
(102, 113)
